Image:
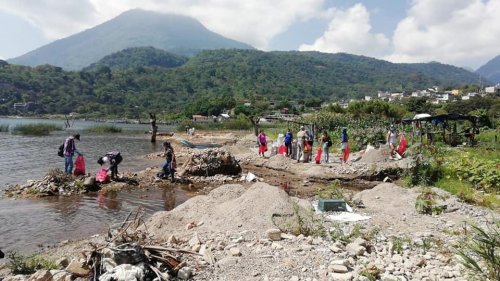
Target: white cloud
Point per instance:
(255, 22)
(349, 31)
(458, 32)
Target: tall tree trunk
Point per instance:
(154, 128)
(255, 124)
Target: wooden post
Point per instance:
(154, 128)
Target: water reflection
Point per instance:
(26, 223)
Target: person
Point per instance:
(301, 138)
(327, 142)
(344, 144)
(288, 142)
(69, 151)
(169, 165)
(113, 158)
(262, 140)
(391, 140)
(309, 141)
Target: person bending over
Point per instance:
(113, 158)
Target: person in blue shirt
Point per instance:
(288, 142)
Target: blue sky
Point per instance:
(464, 33)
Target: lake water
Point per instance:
(26, 223)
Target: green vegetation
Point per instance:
(479, 252)
(301, 221)
(41, 129)
(216, 79)
(20, 264)
(4, 128)
(103, 129)
(138, 58)
(426, 202)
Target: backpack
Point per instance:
(288, 138)
(60, 152)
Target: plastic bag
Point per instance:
(79, 166)
(402, 145)
(102, 176)
(282, 150)
(318, 155)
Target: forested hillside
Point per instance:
(138, 57)
(216, 77)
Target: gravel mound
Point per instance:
(211, 162)
(229, 208)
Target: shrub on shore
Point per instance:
(39, 129)
(4, 128)
(20, 264)
(103, 129)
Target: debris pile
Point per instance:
(131, 255)
(210, 162)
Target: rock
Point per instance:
(341, 276)
(194, 241)
(62, 262)
(338, 268)
(274, 234)
(294, 278)
(235, 252)
(335, 249)
(41, 275)
(185, 273)
(77, 268)
(397, 258)
(89, 182)
(276, 246)
(172, 239)
(228, 261)
(60, 275)
(354, 249)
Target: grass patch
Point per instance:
(479, 252)
(20, 264)
(4, 128)
(103, 129)
(40, 129)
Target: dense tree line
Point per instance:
(212, 81)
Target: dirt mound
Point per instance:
(228, 208)
(210, 162)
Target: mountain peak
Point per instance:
(178, 34)
(491, 70)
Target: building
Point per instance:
(201, 118)
(493, 89)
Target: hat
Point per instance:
(77, 136)
(302, 127)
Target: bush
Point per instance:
(103, 129)
(20, 264)
(41, 129)
(4, 128)
(479, 252)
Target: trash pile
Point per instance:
(131, 255)
(210, 162)
(56, 182)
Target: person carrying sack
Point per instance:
(69, 150)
